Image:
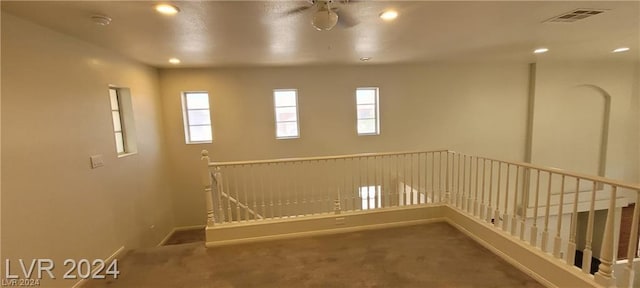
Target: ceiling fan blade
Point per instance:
(346, 20)
(297, 10)
(348, 1)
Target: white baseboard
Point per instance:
(325, 224)
(322, 232)
(113, 256)
(192, 227)
(176, 229)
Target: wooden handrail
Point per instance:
(319, 158)
(559, 171)
(553, 170)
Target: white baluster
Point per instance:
(206, 182)
(489, 207)
(452, 193)
(515, 203)
(526, 179)
(475, 193)
(397, 184)
(605, 276)
(458, 200)
(496, 215)
(433, 176)
(375, 183)
(463, 201)
(571, 246)
(263, 193)
(354, 189)
(246, 195)
(219, 185)
(447, 192)
(329, 201)
(629, 273)
(534, 228)
(304, 181)
(558, 241)
(405, 179)
(440, 185)
(296, 191)
(281, 189)
(545, 232)
(469, 195)
(385, 190)
(588, 252)
(412, 194)
(344, 184)
(252, 185)
(505, 215)
(228, 193)
(484, 176)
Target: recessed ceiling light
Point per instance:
(540, 50)
(621, 49)
(364, 59)
(167, 9)
(389, 15)
(174, 61)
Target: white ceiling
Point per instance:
(242, 33)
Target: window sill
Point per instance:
(195, 143)
(127, 154)
(287, 138)
(369, 134)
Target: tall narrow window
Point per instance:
(286, 107)
(116, 114)
(124, 129)
(368, 120)
(197, 117)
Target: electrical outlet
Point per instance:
(96, 161)
(340, 221)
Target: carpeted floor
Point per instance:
(433, 255)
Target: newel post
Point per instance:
(629, 273)
(604, 276)
(206, 182)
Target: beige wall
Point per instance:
(56, 114)
(479, 109)
(565, 110)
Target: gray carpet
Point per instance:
(433, 255)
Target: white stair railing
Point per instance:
(538, 205)
(285, 188)
(535, 203)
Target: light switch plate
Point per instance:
(96, 161)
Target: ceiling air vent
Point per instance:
(576, 15)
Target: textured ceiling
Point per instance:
(243, 33)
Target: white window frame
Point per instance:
(275, 114)
(126, 121)
(186, 120)
(377, 111)
(122, 131)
